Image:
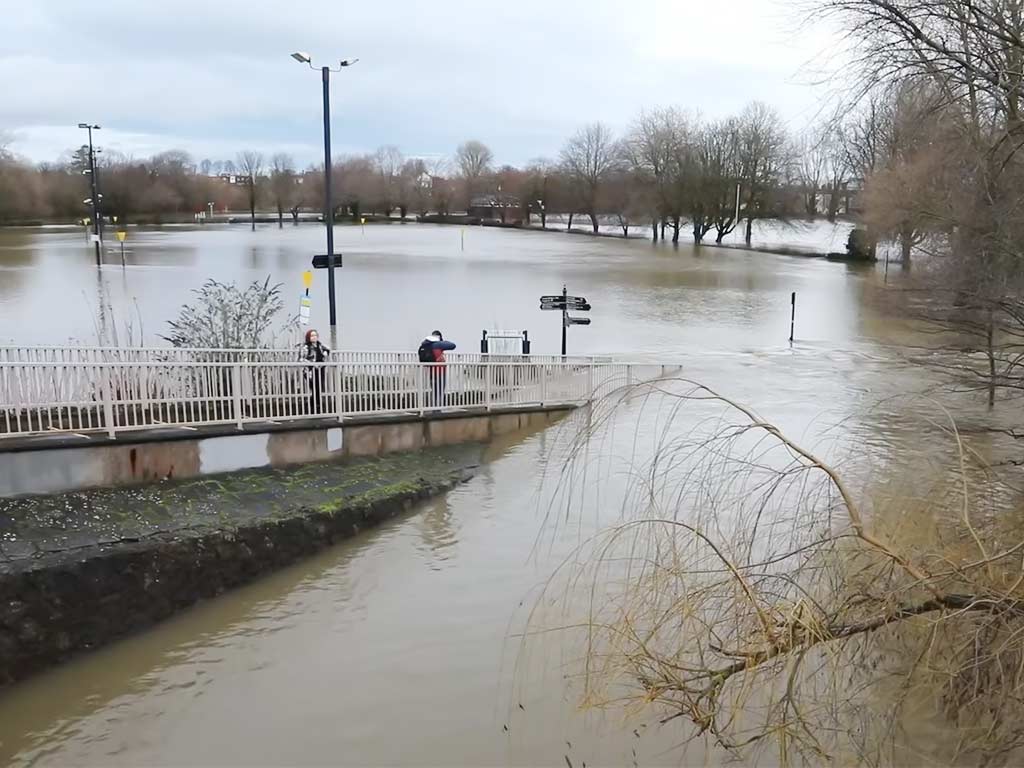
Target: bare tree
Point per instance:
(250, 167)
(442, 189)
(763, 144)
(626, 198)
(723, 171)
(389, 160)
(410, 180)
(812, 169)
(282, 185)
(660, 149)
(757, 599)
(539, 189)
(473, 159)
(588, 158)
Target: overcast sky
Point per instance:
(214, 77)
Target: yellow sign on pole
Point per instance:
(307, 279)
(121, 235)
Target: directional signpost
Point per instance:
(565, 302)
(320, 261)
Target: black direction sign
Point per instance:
(320, 261)
(560, 297)
(578, 320)
(579, 305)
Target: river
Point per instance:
(405, 646)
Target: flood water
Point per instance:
(405, 646)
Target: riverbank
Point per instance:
(783, 249)
(79, 570)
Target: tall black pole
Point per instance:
(565, 315)
(95, 200)
(328, 201)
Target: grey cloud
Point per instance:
(520, 76)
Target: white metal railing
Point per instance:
(112, 396)
(76, 354)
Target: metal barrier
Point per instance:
(46, 397)
(45, 354)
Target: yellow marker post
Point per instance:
(362, 224)
(121, 237)
(462, 234)
(307, 279)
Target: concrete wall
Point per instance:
(146, 457)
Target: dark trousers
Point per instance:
(317, 378)
(437, 385)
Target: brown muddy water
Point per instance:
(405, 646)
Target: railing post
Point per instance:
(236, 392)
(590, 381)
(543, 368)
(339, 400)
(629, 374)
(108, 401)
(487, 385)
(419, 389)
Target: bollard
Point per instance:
(792, 315)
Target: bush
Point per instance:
(858, 245)
(224, 316)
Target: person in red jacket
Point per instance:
(431, 351)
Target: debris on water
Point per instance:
(568, 761)
(506, 728)
(636, 733)
(522, 707)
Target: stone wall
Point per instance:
(66, 464)
(74, 600)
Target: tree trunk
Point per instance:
(543, 219)
(625, 229)
(905, 245)
(280, 216)
(569, 225)
(252, 207)
(675, 230)
(833, 205)
(402, 211)
(593, 221)
(295, 215)
(663, 223)
(750, 230)
(654, 231)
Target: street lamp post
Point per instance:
(95, 199)
(304, 58)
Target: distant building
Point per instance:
(497, 207)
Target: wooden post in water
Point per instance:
(792, 315)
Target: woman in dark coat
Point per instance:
(312, 351)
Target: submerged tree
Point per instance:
(250, 166)
(224, 316)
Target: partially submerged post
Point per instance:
(792, 315)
